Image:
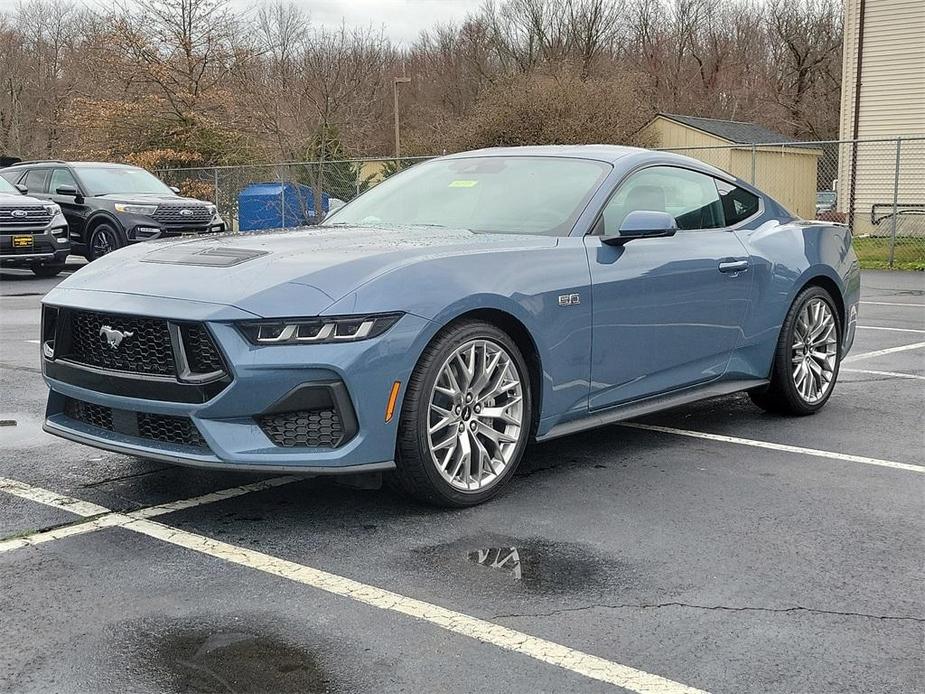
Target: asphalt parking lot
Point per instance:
(713, 547)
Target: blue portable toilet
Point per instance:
(275, 205)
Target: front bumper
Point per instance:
(143, 228)
(50, 247)
(261, 381)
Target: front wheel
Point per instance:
(466, 417)
(103, 240)
(807, 357)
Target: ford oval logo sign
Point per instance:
(186, 213)
(19, 213)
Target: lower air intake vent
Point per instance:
(305, 428)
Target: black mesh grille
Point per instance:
(312, 428)
(88, 413)
(201, 352)
(144, 345)
(169, 429)
(156, 427)
(182, 214)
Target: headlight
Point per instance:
(212, 209)
(136, 209)
(52, 208)
(296, 331)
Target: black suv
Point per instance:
(33, 232)
(110, 205)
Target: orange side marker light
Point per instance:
(393, 398)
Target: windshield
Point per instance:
(514, 195)
(7, 187)
(108, 180)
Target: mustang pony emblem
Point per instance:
(114, 337)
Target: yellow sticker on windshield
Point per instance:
(463, 184)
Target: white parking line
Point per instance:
(107, 518)
(778, 447)
(49, 498)
(881, 352)
(892, 303)
(894, 374)
(590, 666)
(892, 330)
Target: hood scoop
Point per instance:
(210, 256)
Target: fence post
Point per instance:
(753, 165)
(899, 142)
(215, 186)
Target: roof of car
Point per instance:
(599, 152)
(78, 164)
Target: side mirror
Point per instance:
(21, 188)
(643, 224)
(70, 191)
(175, 189)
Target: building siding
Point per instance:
(891, 105)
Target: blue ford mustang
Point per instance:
(438, 323)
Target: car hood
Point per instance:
(280, 273)
(17, 199)
(151, 198)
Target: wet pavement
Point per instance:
(719, 565)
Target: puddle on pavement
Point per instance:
(534, 565)
(204, 661)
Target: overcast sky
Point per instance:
(403, 20)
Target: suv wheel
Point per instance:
(103, 240)
(466, 417)
(47, 270)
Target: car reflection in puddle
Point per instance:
(505, 559)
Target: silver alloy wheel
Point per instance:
(475, 415)
(815, 350)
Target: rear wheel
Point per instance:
(807, 357)
(466, 417)
(104, 239)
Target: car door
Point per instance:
(74, 208)
(667, 312)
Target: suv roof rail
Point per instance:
(40, 161)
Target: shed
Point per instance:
(778, 165)
(276, 205)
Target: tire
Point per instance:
(804, 390)
(498, 443)
(46, 271)
(104, 239)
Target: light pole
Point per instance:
(395, 83)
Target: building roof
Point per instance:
(738, 132)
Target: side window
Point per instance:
(690, 197)
(738, 204)
(35, 180)
(61, 177)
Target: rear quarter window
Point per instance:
(738, 203)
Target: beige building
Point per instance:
(883, 98)
(767, 159)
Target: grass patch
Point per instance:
(874, 253)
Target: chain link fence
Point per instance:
(875, 186)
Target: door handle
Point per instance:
(733, 266)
